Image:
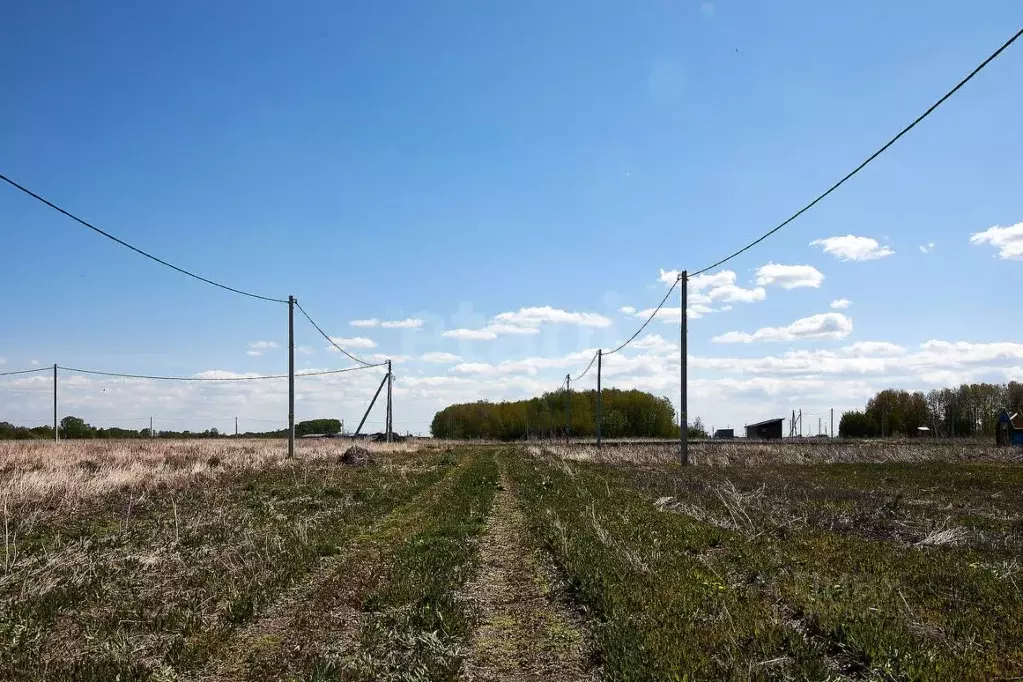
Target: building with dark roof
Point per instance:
(765, 430)
(1010, 429)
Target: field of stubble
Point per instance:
(223, 560)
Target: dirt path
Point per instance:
(315, 624)
(524, 631)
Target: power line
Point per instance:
(873, 156)
(591, 361)
(330, 340)
(133, 248)
(221, 379)
(648, 320)
(25, 371)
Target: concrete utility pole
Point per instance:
(390, 379)
(800, 423)
(56, 433)
(683, 418)
(568, 408)
(236, 427)
(600, 353)
(832, 422)
(152, 434)
(291, 376)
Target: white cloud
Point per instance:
(34, 363)
(851, 247)
(372, 322)
(730, 293)
(257, 348)
(840, 303)
(355, 342)
(654, 342)
(474, 368)
(470, 334)
(820, 326)
(927, 248)
(711, 281)
(789, 276)
(304, 350)
(627, 310)
(537, 315)
(1008, 240)
(862, 348)
(510, 329)
(383, 357)
(407, 323)
(439, 357)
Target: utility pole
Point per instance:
(152, 434)
(568, 408)
(832, 422)
(800, 423)
(600, 354)
(683, 418)
(390, 379)
(56, 433)
(291, 377)
(236, 427)
(818, 425)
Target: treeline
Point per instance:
(625, 414)
(971, 410)
(71, 427)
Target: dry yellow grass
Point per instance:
(56, 473)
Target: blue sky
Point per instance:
(452, 161)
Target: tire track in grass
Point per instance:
(523, 632)
(320, 618)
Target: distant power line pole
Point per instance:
(832, 422)
(568, 408)
(236, 427)
(390, 379)
(291, 376)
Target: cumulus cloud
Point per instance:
(470, 334)
(372, 322)
(851, 247)
(1008, 240)
(407, 323)
(840, 303)
(500, 329)
(711, 281)
(820, 326)
(537, 315)
(257, 348)
(440, 357)
(730, 293)
(927, 248)
(350, 343)
(789, 276)
(627, 310)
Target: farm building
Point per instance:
(724, 434)
(1010, 429)
(765, 430)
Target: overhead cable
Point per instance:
(330, 340)
(870, 158)
(592, 360)
(136, 249)
(221, 379)
(648, 320)
(25, 371)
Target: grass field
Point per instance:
(221, 560)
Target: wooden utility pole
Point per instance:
(390, 379)
(56, 433)
(832, 422)
(568, 408)
(600, 354)
(683, 418)
(291, 376)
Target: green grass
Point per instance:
(133, 587)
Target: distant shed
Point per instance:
(1010, 429)
(724, 434)
(765, 430)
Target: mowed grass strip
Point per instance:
(415, 627)
(659, 611)
(153, 585)
(313, 632)
(881, 605)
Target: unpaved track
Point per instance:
(525, 632)
(319, 619)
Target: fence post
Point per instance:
(600, 354)
(291, 377)
(56, 433)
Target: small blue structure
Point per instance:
(1010, 429)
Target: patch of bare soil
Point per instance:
(526, 631)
